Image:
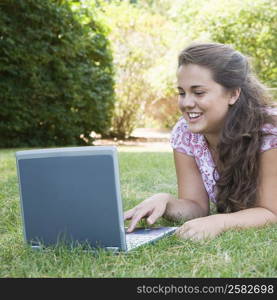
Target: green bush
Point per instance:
(144, 60)
(56, 75)
(250, 26)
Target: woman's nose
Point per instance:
(186, 102)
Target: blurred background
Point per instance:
(75, 71)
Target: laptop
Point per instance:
(72, 196)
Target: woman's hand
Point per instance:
(202, 228)
(152, 208)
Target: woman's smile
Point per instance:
(194, 117)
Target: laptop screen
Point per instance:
(71, 196)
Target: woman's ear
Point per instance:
(234, 96)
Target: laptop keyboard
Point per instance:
(142, 236)
(134, 240)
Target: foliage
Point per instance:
(250, 26)
(144, 61)
(55, 74)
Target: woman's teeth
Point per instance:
(194, 115)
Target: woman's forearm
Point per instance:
(251, 217)
(213, 225)
(183, 209)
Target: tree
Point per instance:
(250, 26)
(56, 75)
(144, 59)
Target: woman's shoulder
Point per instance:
(180, 127)
(182, 139)
(179, 134)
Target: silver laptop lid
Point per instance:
(71, 195)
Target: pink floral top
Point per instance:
(194, 144)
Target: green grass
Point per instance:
(245, 253)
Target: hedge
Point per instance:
(56, 75)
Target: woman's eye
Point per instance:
(182, 94)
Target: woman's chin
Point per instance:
(195, 129)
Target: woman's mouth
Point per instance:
(194, 116)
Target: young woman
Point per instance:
(225, 148)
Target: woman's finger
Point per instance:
(156, 214)
(128, 214)
(181, 230)
(135, 219)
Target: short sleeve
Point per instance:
(270, 137)
(181, 138)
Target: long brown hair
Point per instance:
(241, 136)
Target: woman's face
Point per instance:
(203, 102)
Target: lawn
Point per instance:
(247, 253)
